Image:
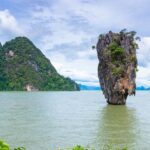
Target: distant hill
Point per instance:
(86, 87)
(142, 88)
(24, 67)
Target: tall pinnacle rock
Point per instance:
(117, 65)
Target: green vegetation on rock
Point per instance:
(117, 71)
(117, 58)
(116, 51)
(23, 66)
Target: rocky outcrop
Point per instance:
(30, 88)
(117, 65)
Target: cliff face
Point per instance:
(24, 67)
(117, 65)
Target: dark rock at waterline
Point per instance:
(117, 65)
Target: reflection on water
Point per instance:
(117, 127)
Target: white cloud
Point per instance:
(62, 36)
(87, 54)
(99, 15)
(143, 53)
(9, 23)
(57, 28)
(80, 69)
(143, 76)
(65, 30)
(84, 66)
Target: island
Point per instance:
(117, 65)
(23, 67)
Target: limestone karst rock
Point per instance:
(23, 67)
(117, 65)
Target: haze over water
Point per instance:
(48, 120)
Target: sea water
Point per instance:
(52, 120)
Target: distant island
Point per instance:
(23, 67)
(97, 88)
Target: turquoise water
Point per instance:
(49, 120)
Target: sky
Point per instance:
(65, 31)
